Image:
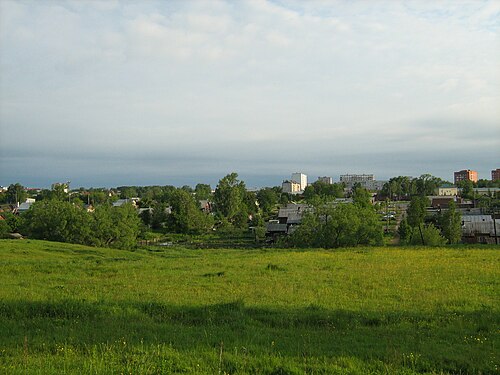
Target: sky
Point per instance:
(110, 93)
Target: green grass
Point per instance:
(81, 310)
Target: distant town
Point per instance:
(274, 214)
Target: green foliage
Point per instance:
(159, 215)
(268, 199)
(68, 309)
(320, 189)
(4, 229)
(431, 235)
(467, 189)
(417, 210)
(451, 224)
(361, 197)
(16, 194)
(230, 200)
(403, 187)
(186, 216)
(330, 226)
(56, 220)
(405, 232)
(13, 221)
(62, 221)
(203, 191)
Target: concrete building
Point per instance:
(353, 178)
(447, 190)
(366, 181)
(495, 174)
(466, 174)
(301, 178)
(326, 180)
(291, 187)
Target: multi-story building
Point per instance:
(464, 175)
(292, 187)
(301, 178)
(353, 178)
(495, 174)
(365, 180)
(326, 180)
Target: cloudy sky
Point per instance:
(107, 93)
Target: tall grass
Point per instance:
(75, 309)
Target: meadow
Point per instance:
(70, 309)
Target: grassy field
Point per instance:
(81, 310)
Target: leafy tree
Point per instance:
(431, 235)
(323, 190)
(202, 191)
(4, 229)
(16, 194)
(405, 232)
(361, 197)
(55, 220)
(467, 189)
(186, 216)
(451, 224)
(159, 215)
(416, 214)
(330, 226)
(268, 199)
(128, 192)
(116, 226)
(229, 198)
(426, 184)
(417, 210)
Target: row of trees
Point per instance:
(404, 187)
(57, 220)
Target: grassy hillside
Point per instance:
(76, 309)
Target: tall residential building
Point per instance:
(495, 174)
(301, 178)
(464, 175)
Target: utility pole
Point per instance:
(495, 227)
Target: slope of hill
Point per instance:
(76, 309)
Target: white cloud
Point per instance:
(327, 78)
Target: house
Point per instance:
(205, 206)
(441, 201)
(480, 229)
(447, 190)
(289, 217)
(121, 202)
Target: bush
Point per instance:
(431, 234)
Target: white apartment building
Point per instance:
(301, 178)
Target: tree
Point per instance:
(467, 189)
(405, 232)
(268, 199)
(431, 236)
(203, 191)
(451, 224)
(56, 220)
(186, 216)
(331, 226)
(229, 198)
(361, 197)
(416, 213)
(16, 194)
(115, 226)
